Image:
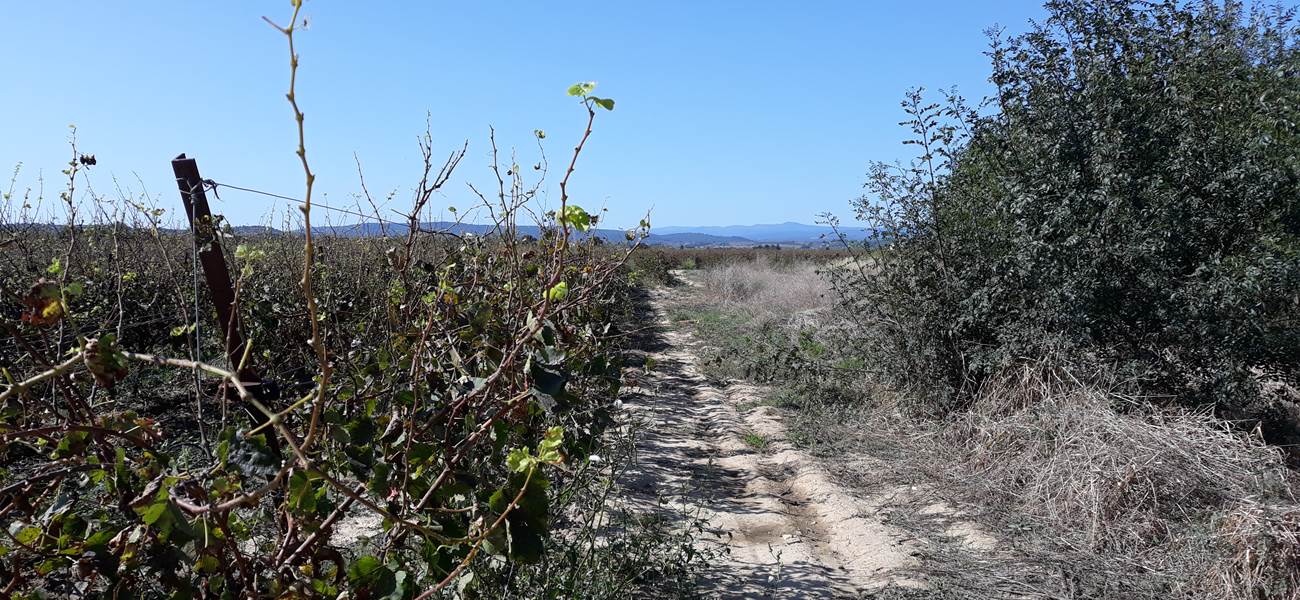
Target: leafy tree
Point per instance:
(1130, 196)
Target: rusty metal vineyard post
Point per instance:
(217, 275)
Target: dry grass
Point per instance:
(1265, 554)
(1171, 491)
(761, 287)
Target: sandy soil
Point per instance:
(788, 530)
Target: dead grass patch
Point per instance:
(1172, 491)
(764, 288)
(1264, 561)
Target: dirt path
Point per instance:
(788, 531)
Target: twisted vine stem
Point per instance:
(309, 248)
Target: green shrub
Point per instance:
(1129, 196)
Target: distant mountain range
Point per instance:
(788, 234)
(610, 235)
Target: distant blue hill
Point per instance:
(788, 232)
(610, 235)
(743, 236)
(795, 234)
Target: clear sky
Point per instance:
(729, 112)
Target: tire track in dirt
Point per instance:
(788, 531)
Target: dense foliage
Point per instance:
(437, 404)
(1129, 197)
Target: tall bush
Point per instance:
(1130, 195)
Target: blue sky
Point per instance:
(728, 112)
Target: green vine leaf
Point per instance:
(548, 451)
(368, 573)
(582, 88)
(558, 292)
(574, 216)
(520, 460)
